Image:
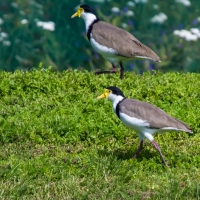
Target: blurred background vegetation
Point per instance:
(34, 31)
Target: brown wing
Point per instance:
(123, 42)
(156, 117)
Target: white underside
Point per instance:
(108, 53)
(133, 123)
(143, 57)
(141, 126)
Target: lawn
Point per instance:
(59, 142)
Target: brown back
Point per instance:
(156, 117)
(123, 42)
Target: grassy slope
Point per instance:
(59, 142)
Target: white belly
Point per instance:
(138, 125)
(108, 53)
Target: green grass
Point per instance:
(59, 142)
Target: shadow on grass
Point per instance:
(126, 154)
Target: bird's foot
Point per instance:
(106, 72)
(166, 164)
(135, 155)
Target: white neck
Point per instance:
(115, 100)
(88, 18)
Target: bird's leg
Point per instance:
(158, 149)
(121, 70)
(139, 149)
(114, 70)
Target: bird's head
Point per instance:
(113, 93)
(85, 11)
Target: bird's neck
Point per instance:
(115, 100)
(89, 18)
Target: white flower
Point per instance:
(182, 33)
(195, 31)
(177, 32)
(115, 9)
(3, 34)
(198, 19)
(130, 3)
(160, 18)
(124, 25)
(46, 25)
(187, 35)
(184, 2)
(24, 21)
(129, 13)
(6, 43)
(191, 37)
(141, 1)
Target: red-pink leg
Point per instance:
(159, 151)
(139, 149)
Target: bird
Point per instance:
(145, 118)
(113, 43)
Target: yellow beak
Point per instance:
(78, 13)
(104, 95)
(101, 96)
